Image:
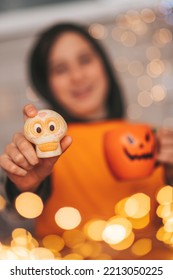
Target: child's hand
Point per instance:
(21, 163)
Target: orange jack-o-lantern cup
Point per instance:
(130, 151)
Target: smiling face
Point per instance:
(45, 131)
(77, 77)
(130, 151)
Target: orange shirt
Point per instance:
(83, 180)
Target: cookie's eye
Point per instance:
(37, 128)
(52, 126)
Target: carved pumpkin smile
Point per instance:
(138, 157)
(130, 151)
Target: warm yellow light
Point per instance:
(29, 205)
(120, 207)
(41, 254)
(168, 226)
(124, 244)
(164, 211)
(67, 218)
(140, 222)
(53, 242)
(73, 256)
(8, 254)
(73, 238)
(117, 229)
(21, 252)
(165, 195)
(90, 249)
(94, 229)
(114, 234)
(2, 203)
(137, 206)
(163, 235)
(142, 247)
(103, 256)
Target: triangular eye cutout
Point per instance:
(130, 139)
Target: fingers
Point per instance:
(11, 167)
(66, 142)
(29, 111)
(19, 156)
(25, 148)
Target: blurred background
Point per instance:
(137, 35)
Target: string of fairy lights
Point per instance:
(151, 76)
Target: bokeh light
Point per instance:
(137, 206)
(67, 217)
(41, 253)
(142, 247)
(116, 230)
(53, 242)
(2, 203)
(128, 39)
(158, 93)
(165, 195)
(155, 68)
(29, 205)
(144, 99)
(74, 238)
(162, 36)
(124, 244)
(98, 31)
(94, 228)
(148, 15)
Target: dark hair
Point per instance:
(38, 70)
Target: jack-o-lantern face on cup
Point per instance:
(130, 150)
